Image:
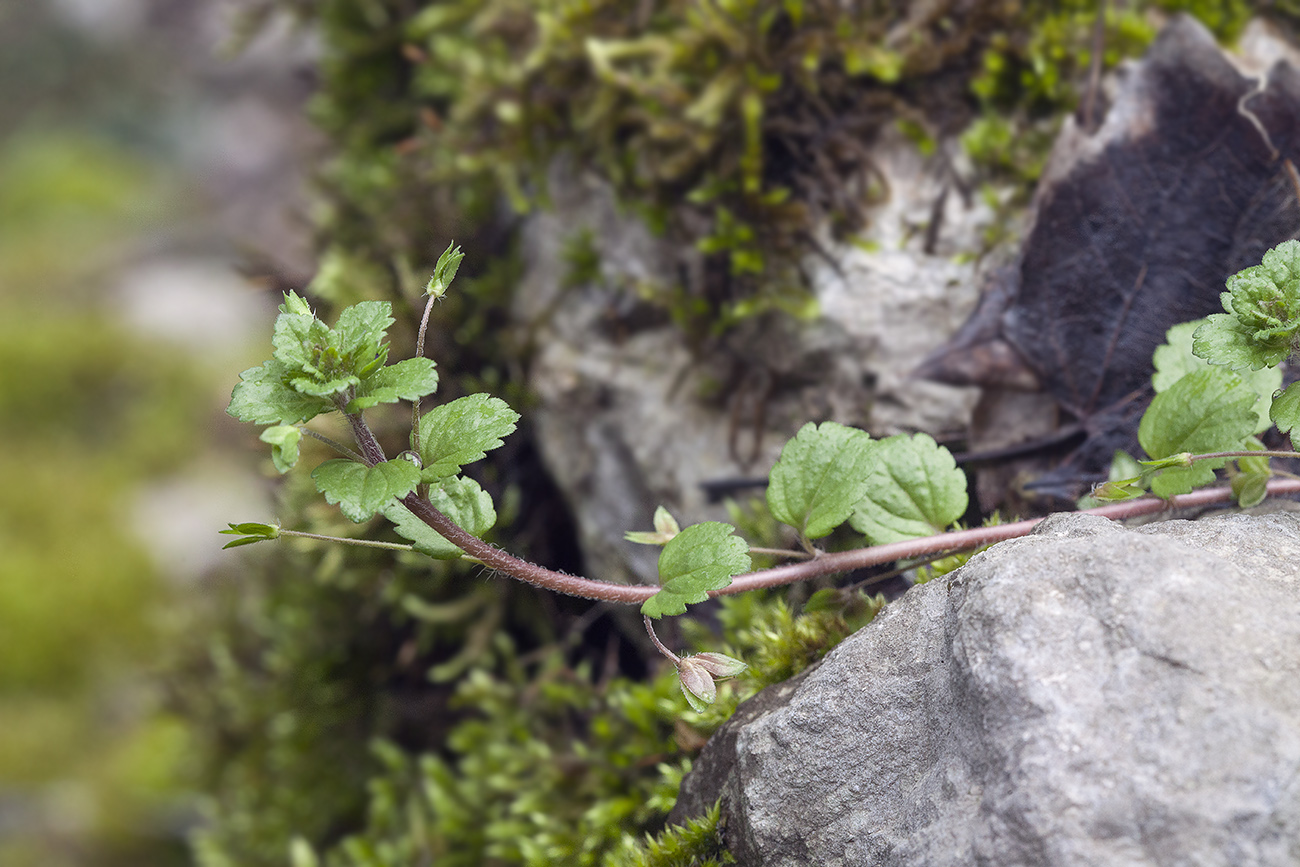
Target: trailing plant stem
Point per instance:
(531, 573)
(824, 564)
(370, 449)
(821, 563)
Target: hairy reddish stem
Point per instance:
(370, 448)
(824, 564)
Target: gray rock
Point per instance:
(1086, 695)
(630, 415)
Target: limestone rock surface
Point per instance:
(630, 415)
(1086, 695)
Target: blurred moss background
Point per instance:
(111, 238)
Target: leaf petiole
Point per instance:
(332, 443)
(361, 543)
(1247, 454)
(787, 553)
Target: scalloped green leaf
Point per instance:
(1223, 339)
(324, 361)
(460, 499)
(297, 333)
(324, 388)
(361, 330)
(822, 474)
(406, 380)
(1285, 409)
(263, 396)
(1205, 411)
(284, 440)
(700, 558)
(461, 432)
(1174, 359)
(1266, 297)
(361, 491)
(914, 489)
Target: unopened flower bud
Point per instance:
(719, 664)
(697, 683)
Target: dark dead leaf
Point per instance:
(1136, 228)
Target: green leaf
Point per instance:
(459, 498)
(1175, 359)
(322, 387)
(1285, 410)
(361, 491)
(1262, 316)
(252, 531)
(445, 271)
(361, 329)
(822, 474)
(1250, 488)
(1123, 466)
(1222, 339)
(1116, 490)
(701, 558)
(462, 432)
(297, 334)
(1266, 298)
(665, 529)
(284, 441)
(1250, 484)
(324, 361)
(915, 489)
(264, 397)
(406, 380)
(1206, 411)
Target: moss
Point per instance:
(734, 128)
(530, 758)
(697, 844)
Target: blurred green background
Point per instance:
(127, 142)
